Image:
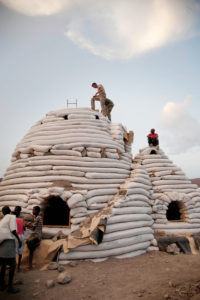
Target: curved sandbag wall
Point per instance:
(74, 153)
(170, 186)
(129, 224)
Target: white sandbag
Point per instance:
(131, 203)
(135, 191)
(176, 177)
(66, 195)
(101, 192)
(34, 201)
(171, 182)
(74, 199)
(128, 218)
(93, 154)
(131, 210)
(157, 169)
(177, 186)
(176, 225)
(99, 199)
(96, 206)
(92, 149)
(156, 161)
(108, 237)
(131, 254)
(80, 149)
(135, 185)
(66, 152)
(152, 248)
(57, 178)
(138, 197)
(112, 155)
(128, 225)
(105, 175)
(64, 162)
(19, 197)
(76, 221)
(142, 180)
(96, 186)
(91, 169)
(13, 192)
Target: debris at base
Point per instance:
(61, 269)
(173, 249)
(52, 265)
(50, 283)
(64, 278)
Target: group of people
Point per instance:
(12, 229)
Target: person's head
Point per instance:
(6, 210)
(152, 130)
(94, 85)
(17, 210)
(36, 210)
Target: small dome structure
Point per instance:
(175, 200)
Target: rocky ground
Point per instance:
(152, 276)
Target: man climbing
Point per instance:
(153, 138)
(99, 96)
(108, 107)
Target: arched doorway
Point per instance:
(175, 211)
(55, 212)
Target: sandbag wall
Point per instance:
(76, 154)
(129, 225)
(169, 183)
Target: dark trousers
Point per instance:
(153, 141)
(11, 262)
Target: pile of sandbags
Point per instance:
(169, 183)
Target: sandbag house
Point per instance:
(78, 167)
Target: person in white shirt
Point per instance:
(8, 232)
(99, 96)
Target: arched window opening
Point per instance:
(97, 117)
(56, 212)
(153, 152)
(65, 117)
(175, 211)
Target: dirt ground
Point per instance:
(152, 276)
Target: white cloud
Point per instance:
(37, 7)
(180, 130)
(118, 29)
(128, 28)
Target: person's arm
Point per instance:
(14, 232)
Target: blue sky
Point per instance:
(144, 52)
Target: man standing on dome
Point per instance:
(99, 96)
(153, 138)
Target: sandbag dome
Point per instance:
(74, 163)
(175, 200)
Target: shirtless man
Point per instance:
(99, 96)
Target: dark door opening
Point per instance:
(174, 211)
(56, 212)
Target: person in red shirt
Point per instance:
(153, 138)
(20, 232)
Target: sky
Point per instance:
(146, 54)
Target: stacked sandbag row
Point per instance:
(169, 183)
(129, 223)
(73, 150)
